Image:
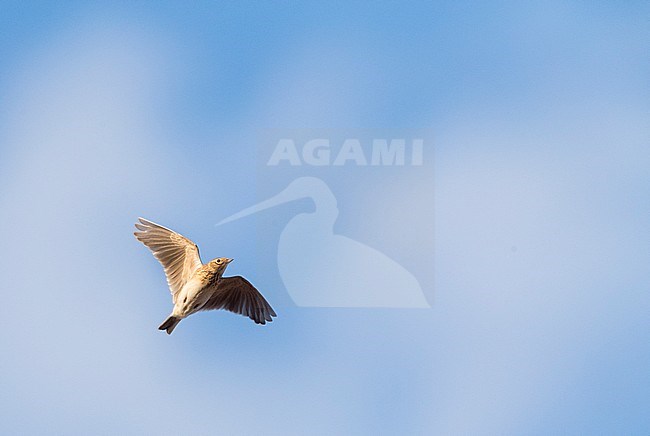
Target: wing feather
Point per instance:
(238, 295)
(178, 255)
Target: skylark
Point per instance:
(195, 286)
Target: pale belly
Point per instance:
(191, 298)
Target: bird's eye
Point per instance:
(218, 260)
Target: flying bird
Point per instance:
(195, 286)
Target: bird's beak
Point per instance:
(229, 260)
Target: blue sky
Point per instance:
(536, 267)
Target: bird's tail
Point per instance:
(169, 324)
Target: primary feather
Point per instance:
(178, 255)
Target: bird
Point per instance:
(196, 286)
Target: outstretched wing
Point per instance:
(237, 295)
(178, 255)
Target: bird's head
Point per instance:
(220, 264)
